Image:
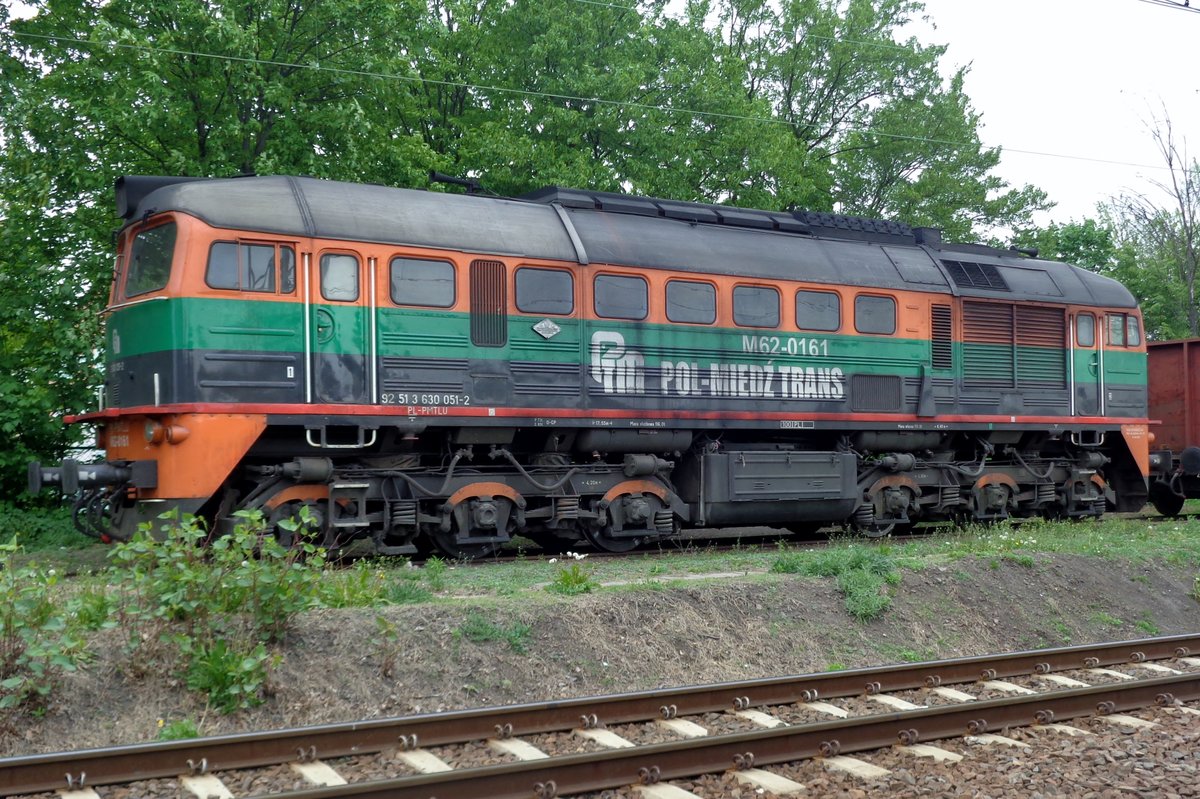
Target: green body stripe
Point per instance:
(251, 325)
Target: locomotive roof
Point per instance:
(606, 228)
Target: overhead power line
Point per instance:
(561, 97)
(1181, 5)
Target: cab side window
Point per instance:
(263, 268)
(1124, 330)
(1085, 330)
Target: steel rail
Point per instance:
(34, 773)
(576, 774)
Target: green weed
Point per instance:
(1147, 625)
(435, 573)
(571, 580)
(865, 594)
(479, 629)
(387, 640)
(862, 574)
(406, 592)
(231, 674)
(180, 730)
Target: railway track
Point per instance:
(646, 739)
(765, 539)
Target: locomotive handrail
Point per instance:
(130, 303)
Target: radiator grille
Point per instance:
(988, 344)
(875, 393)
(1041, 347)
(942, 337)
(489, 304)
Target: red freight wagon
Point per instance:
(1173, 371)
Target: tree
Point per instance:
(93, 90)
(807, 103)
(1164, 232)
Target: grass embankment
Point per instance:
(160, 597)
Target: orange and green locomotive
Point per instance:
(441, 371)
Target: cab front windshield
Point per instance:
(150, 260)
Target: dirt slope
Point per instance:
(620, 639)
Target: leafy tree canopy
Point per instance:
(811, 103)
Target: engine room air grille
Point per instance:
(875, 393)
(1014, 346)
(976, 276)
(1041, 347)
(489, 304)
(988, 344)
(942, 339)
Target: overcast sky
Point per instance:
(1076, 79)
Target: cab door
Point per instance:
(339, 333)
(1087, 365)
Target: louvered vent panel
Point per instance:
(942, 337)
(988, 344)
(489, 304)
(968, 274)
(1041, 347)
(875, 393)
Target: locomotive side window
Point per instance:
(545, 291)
(150, 260)
(339, 277)
(1123, 330)
(419, 282)
(1085, 330)
(1116, 329)
(1133, 333)
(876, 315)
(755, 306)
(691, 302)
(621, 297)
(249, 267)
(818, 310)
(287, 270)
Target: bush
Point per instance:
(217, 604)
(37, 645)
(40, 528)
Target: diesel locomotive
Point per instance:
(437, 371)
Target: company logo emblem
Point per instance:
(618, 370)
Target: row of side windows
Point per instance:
(1123, 330)
(552, 292)
(431, 284)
